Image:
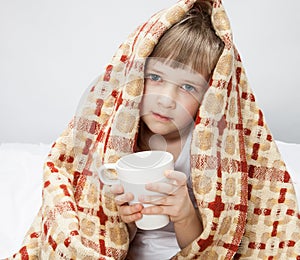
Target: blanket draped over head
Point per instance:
(243, 191)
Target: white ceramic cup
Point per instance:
(133, 172)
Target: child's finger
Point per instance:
(117, 189)
(176, 181)
(162, 187)
(124, 198)
(178, 178)
(130, 209)
(131, 213)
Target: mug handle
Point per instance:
(102, 175)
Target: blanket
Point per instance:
(243, 191)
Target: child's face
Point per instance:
(171, 98)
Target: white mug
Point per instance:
(133, 172)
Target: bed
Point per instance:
(21, 186)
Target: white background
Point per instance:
(51, 50)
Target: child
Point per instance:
(234, 199)
(176, 79)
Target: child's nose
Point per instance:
(167, 97)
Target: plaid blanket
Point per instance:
(243, 191)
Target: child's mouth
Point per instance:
(161, 117)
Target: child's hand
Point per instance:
(128, 213)
(176, 204)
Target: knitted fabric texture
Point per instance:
(244, 193)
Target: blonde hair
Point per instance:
(192, 41)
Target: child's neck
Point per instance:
(148, 140)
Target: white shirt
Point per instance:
(161, 244)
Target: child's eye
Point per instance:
(188, 87)
(154, 77)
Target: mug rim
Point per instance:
(168, 155)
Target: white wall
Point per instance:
(267, 34)
(51, 50)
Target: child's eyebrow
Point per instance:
(201, 82)
(147, 70)
(198, 81)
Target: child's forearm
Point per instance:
(188, 229)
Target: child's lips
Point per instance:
(161, 117)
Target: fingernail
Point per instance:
(138, 207)
(168, 172)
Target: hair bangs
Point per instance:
(191, 42)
